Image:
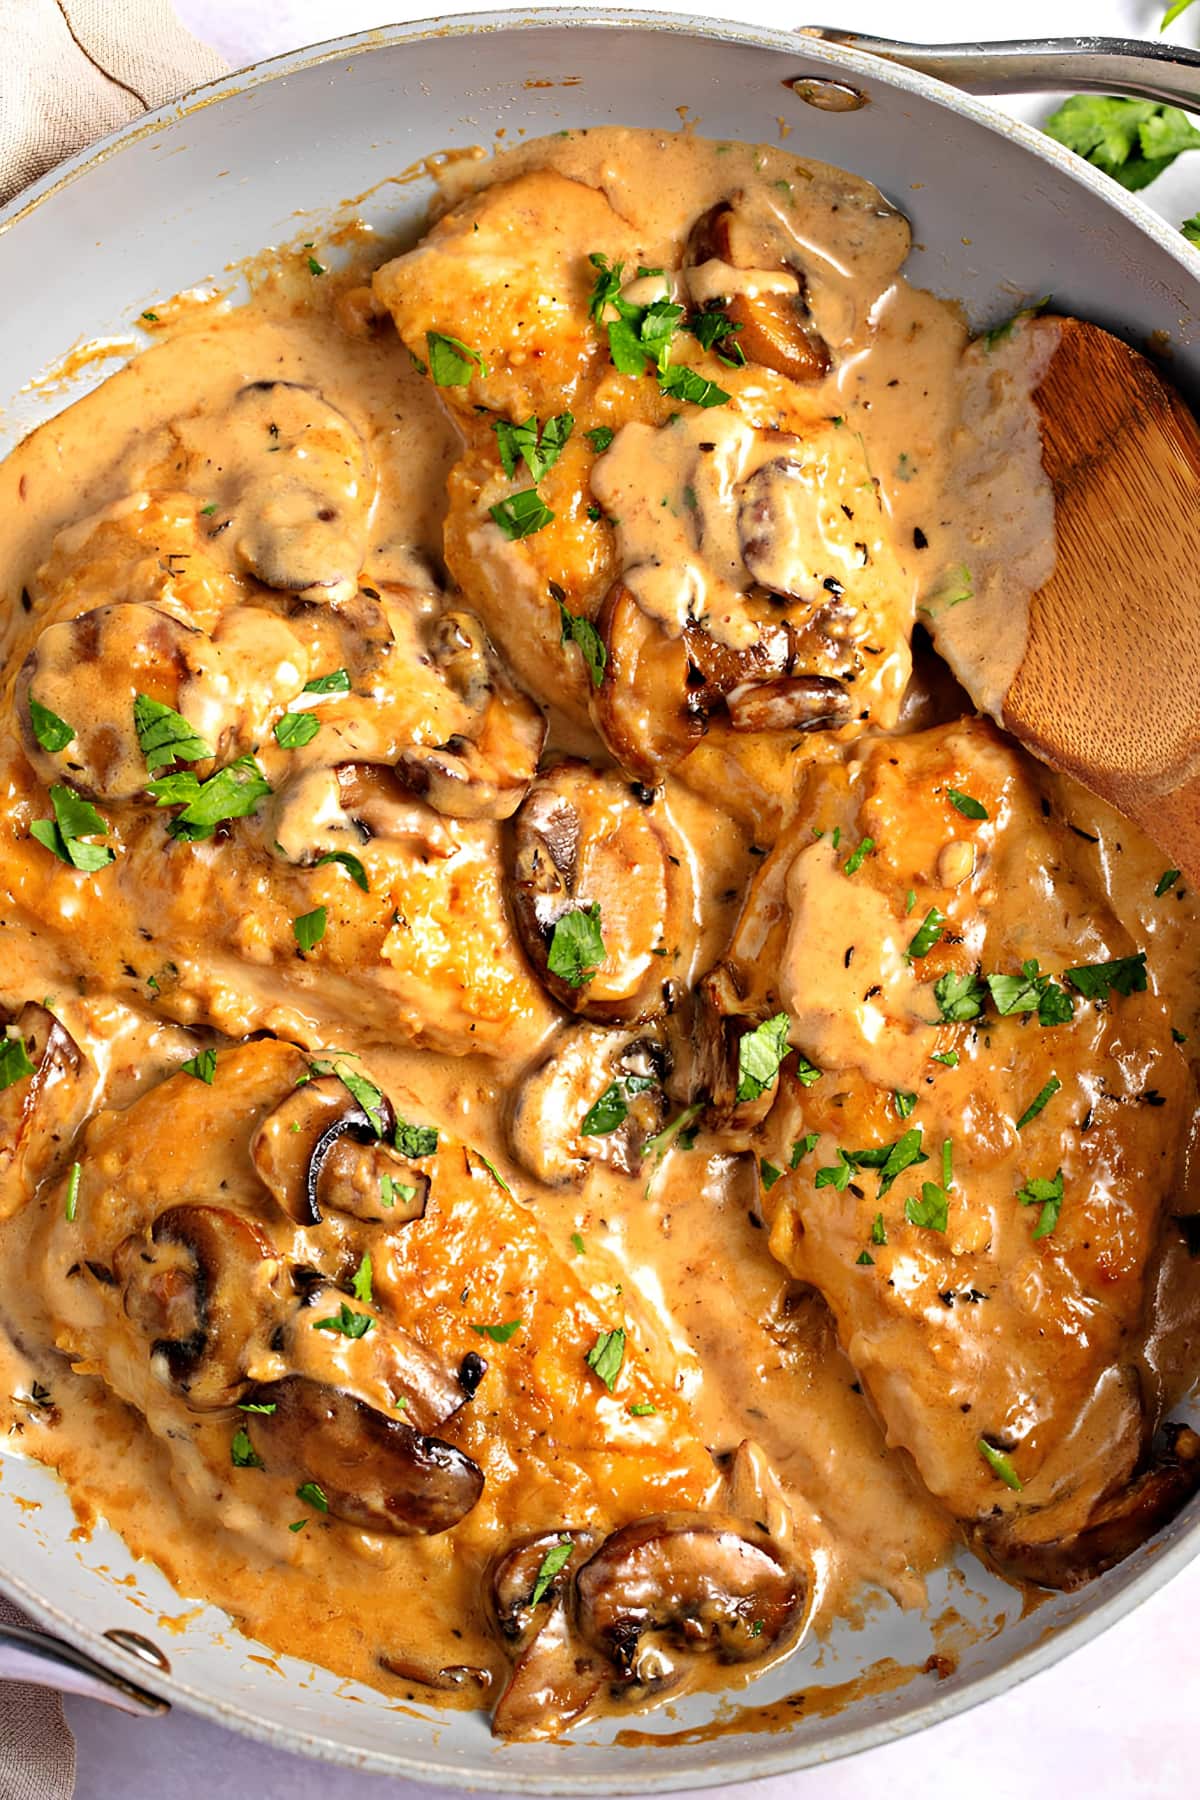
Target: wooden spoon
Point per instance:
(1108, 688)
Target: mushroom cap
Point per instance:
(38, 1115)
(320, 1149)
(776, 329)
(551, 1104)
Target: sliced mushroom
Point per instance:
(40, 1112)
(721, 1019)
(290, 475)
(555, 1677)
(776, 328)
(449, 1679)
(200, 1289)
(1117, 1526)
(484, 771)
(88, 671)
(319, 1150)
(647, 708)
(582, 839)
(374, 1472)
(612, 1081)
(701, 1582)
(791, 703)
(386, 1368)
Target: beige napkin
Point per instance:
(71, 71)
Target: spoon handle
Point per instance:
(45, 1661)
(1095, 65)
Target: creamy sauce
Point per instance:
(259, 538)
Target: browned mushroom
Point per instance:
(483, 771)
(555, 1677)
(776, 327)
(583, 839)
(200, 1288)
(372, 1471)
(329, 1339)
(792, 703)
(39, 1112)
(320, 1150)
(1116, 1527)
(88, 671)
(701, 1582)
(596, 1099)
(292, 483)
(646, 708)
(448, 1679)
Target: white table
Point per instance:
(1115, 1721)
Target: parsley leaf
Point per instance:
(242, 1453)
(932, 1210)
(760, 1053)
(1096, 981)
(680, 383)
(309, 928)
(576, 946)
(927, 934)
(553, 1563)
(203, 1066)
(72, 1203)
(451, 362)
(1000, 1465)
(363, 1090)
(539, 446)
(855, 860)
(164, 736)
(606, 1356)
(802, 1147)
(350, 863)
(1131, 140)
(346, 1322)
(74, 819)
(903, 1103)
(295, 729)
(599, 437)
(969, 807)
(51, 732)
(878, 1230)
(337, 683)
(520, 515)
(714, 330)
(1169, 877)
(959, 997)
(606, 1113)
(499, 1334)
(890, 1159)
(1191, 227)
(391, 1190)
(577, 630)
(312, 1494)
(232, 793)
(14, 1062)
(641, 1409)
(1039, 1101)
(415, 1140)
(948, 1057)
(769, 1173)
(835, 1174)
(1049, 1196)
(361, 1283)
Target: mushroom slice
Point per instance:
(450, 1679)
(776, 328)
(39, 1112)
(1116, 1527)
(789, 703)
(646, 708)
(582, 839)
(555, 1677)
(484, 771)
(384, 1367)
(291, 475)
(319, 1150)
(701, 1581)
(779, 531)
(610, 1083)
(373, 1471)
(200, 1288)
(89, 671)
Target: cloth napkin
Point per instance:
(73, 70)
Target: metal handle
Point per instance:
(48, 1662)
(1092, 65)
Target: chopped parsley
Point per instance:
(336, 683)
(313, 1495)
(350, 863)
(855, 860)
(346, 1322)
(538, 446)
(1000, 1465)
(74, 820)
(903, 1103)
(360, 1285)
(1039, 1102)
(51, 732)
(606, 1356)
(639, 335)
(73, 1180)
(803, 1147)
(878, 1230)
(806, 1073)
(1097, 981)
(836, 1174)
(966, 804)
(232, 793)
(599, 437)
(865, 1260)
(1031, 991)
(14, 1062)
(577, 1243)
(492, 1170)
(309, 928)
(959, 997)
(499, 1334)
(932, 1210)
(927, 934)
(520, 515)
(363, 1090)
(257, 1406)
(612, 1108)
(576, 946)
(715, 330)
(164, 736)
(451, 362)
(676, 1130)
(770, 1174)
(641, 1409)
(295, 729)
(760, 1053)
(680, 383)
(203, 1066)
(890, 1159)
(1049, 1196)
(1163, 885)
(392, 1189)
(242, 1453)
(415, 1140)
(580, 631)
(553, 1563)
(948, 1057)
(314, 267)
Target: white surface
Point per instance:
(1112, 1721)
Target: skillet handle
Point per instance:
(1093, 65)
(45, 1661)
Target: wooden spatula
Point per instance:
(1109, 687)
